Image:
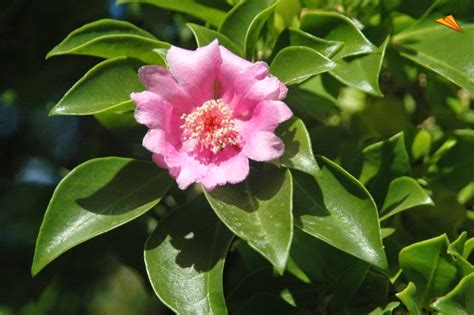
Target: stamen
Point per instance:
(211, 125)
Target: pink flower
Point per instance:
(209, 114)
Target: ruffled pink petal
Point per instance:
(263, 146)
(233, 170)
(160, 81)
(230, 69)
(155, 141)
(266, 117)
(196, 71)
(253, 85)
(151, 110)
(191, 172)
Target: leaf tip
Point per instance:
(55, 111)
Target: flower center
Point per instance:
(211, 126)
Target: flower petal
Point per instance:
(266, 117)
(253, 85)
(152, 110)
(263, 146)
(233, 170)
(230, 69)
(155, 141)
(191, 172)
(160, 81)
(196, 71)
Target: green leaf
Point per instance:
(298, 152)
(362, 72)
(192, 7)
(105, 86)
(456, 249)
(403, 193)
(454, 167)
(296, 37)
(408, 296)
(259, 211)
(111, 38)
(298, 63)
(205, 36)
(315, 97)
(459, 301)
(337, 27)
(244, 22)
(418, 143)
(388, 310)
(383, 162)
(441, 50)
(185, 257)
(332, 269)
(427, 265)
(337, 209)
(97, 196)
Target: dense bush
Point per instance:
(369, 209)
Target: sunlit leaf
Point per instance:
(97, 196)
(184, 258)
(298, 63)
(259, 211)
(244, 22)
(105, 86)
(192, 7)
(337, 209)
(109, 39)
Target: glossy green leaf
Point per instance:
(296, 37)
(336, 27)
(298, 152)
(457, 250)
(185, 257)
(298, 63)
(441, 50)
(109, 39)
(383, 162)
(192, 7)
(427, 265)
(403, 193)
(97, 196)
(362, 72)
(337, 209)
(105, 86)
(244, 22)
(259, 211)
(408, 297)
(205, 36)
(315, 97)
(388, 310)
(460, 300)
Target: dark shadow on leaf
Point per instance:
(129, 189)
(308, 198)
(247, 195)
(195, 232)
(407, 50)
(292, 146)
(390, 167)
(395, 204)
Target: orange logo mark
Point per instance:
(450, 22)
